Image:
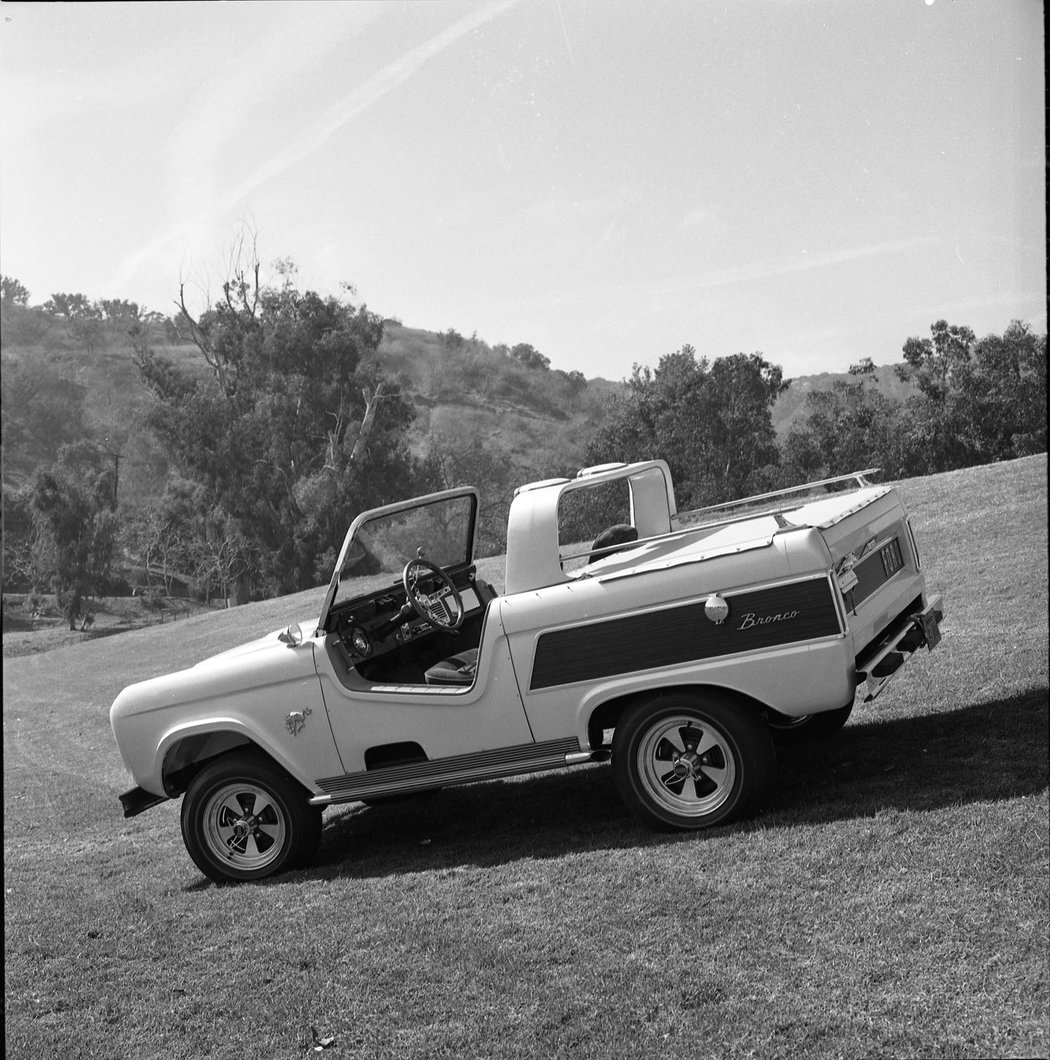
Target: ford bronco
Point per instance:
(678, 644)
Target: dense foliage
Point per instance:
(61, 531)
(293, 431)
(712, 423)
(273, 419)
(977, 402)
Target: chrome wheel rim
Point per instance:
(244, 826)
(686, 765)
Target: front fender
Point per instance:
(270, 698)
(213, 735)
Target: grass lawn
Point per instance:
(891, 901)
(28, 630)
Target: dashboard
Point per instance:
(375, 625)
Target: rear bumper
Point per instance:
(880, 662)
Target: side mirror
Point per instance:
(293, 635)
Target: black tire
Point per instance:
(244, 818)
(689, 761)
(787, 730)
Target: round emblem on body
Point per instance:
(716, 608)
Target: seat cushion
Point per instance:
(618, 534)
(455, 670)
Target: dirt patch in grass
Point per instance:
(35, 624)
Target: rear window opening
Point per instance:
(586, 514)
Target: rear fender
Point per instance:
(607, 714)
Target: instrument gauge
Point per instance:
(360, 641)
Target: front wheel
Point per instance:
(684, 761)
(243, 818)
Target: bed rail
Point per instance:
(857, 477)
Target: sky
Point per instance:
(608, 180)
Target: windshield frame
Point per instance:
(384, 512)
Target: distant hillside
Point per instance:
(540, 418)
(59, 388)
(790, 406)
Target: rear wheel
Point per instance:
(690, 761)
(243, 818)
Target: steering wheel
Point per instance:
(423, 603)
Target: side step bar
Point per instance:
(878, 666)
(427, 774)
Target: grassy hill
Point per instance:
(891, 901)
(536, 417)
(475, 390)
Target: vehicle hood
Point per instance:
(258, 664)
(264, 643)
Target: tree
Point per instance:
(71, 307)
(474, 461)
(12, 293)
(526, 354)
(1009, 378)
(865, 366)
(21, 549)
(74, 513)
(41, 411)
(21, 322)
(978, 401)
(453, 340)
(847, 428)
(119, 311)
(223, 554)
(743, 449)
(711, 423)
(296, 430)
(166, 539)
(575, 381)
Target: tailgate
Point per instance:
(874, 558)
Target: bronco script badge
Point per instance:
(296, 720)
(750, 619)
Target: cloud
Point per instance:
(783, 266)
(273, 57)
(658, 290)
(217, 114)
(364, 96)
(702, 217)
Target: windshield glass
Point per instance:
(439, 531)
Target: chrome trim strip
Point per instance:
(840, 603)
(422, 690)
(754, 587)
(855, 476)
(914, 545)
